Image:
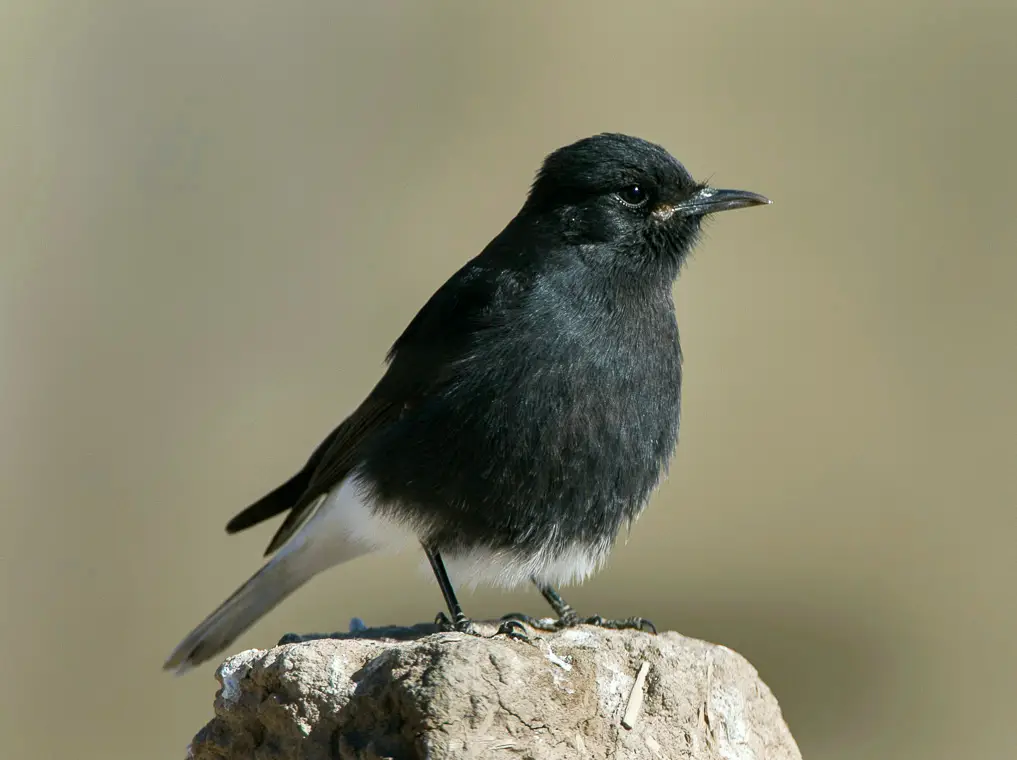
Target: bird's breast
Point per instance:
(584, 423)
(550, 434)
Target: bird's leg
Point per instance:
(567, 617)
(459, 621)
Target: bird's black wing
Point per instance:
(419, 362)
(327, 466)
(286, 495)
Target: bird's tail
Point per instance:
(279, 578)
(287, 571)
(328, 536)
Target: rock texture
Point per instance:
(408, 693)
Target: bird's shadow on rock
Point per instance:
(376, 633)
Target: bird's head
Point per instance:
(626, 197)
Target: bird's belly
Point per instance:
(350, 522)
(511, 567)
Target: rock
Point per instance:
(407, 693)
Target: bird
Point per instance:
(526, 413)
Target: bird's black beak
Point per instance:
(710, 200)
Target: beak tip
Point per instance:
(711, 200)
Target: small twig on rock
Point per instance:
(635, 703)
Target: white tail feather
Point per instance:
(342, 526)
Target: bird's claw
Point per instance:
(444, 624)
(549, 625)
(571, 621)
(464, 625)
(627, 624)
(514, 629)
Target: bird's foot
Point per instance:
(459, 625)
(625, 624)
(571, 621)
(550, 625)
(513, 629)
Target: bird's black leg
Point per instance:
(459, 621)
(567, 617)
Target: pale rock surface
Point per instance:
(408, 693)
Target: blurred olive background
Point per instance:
(216, 217)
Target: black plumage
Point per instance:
(528, 410)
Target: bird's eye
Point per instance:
(633, 196)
